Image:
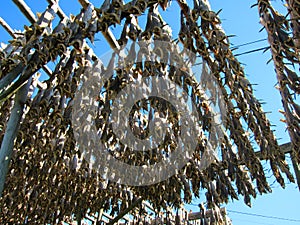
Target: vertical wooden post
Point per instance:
(11, 132)
(99, 217)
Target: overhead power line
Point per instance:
(259, 215)
(251, 51)
(250, 43)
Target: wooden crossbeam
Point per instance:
(84, 3)
(287, 148)
(11, 131)
(25, 9)
(7, 27)
(99, 216)
(110, 38)
(11, 32)
(126, 211)
(198, 215)
(108, 35)
(31, 17)
(284, 148)
(60, 12)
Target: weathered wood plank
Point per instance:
(11, 132)
(108, 35)
(25, 9)
(126, 211)
(198, 215)
(7, 27)
(60, 12)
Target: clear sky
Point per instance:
(240, 20)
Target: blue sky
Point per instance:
(240, 20)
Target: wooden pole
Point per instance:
(13, 125)
(60, 12)
(108, 35)
(99, 217)
(122, 214)
(20, 66)
(7, 27)
(208, 213)
(25, 10)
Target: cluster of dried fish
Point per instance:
(49, 180)
(285, 49)
(48, 115)
(241, 105)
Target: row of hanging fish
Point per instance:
(285, 50)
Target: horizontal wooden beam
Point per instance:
(108, 35)
(31, 17)
(126, 211)
(110, 38)
(208, 213)
(84, 3)
(7, 27)
(25, 10)
(60, 12)
(284, 148)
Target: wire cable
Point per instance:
(250, 221)
(249, 43)
(259, 215)
(251, 51)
